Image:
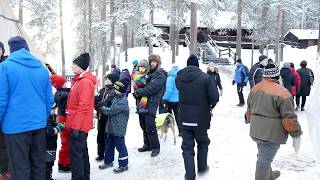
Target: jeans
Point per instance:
(266, 152)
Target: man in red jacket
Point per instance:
(80, 116)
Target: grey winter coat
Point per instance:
(118, 114)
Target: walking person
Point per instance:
(271, 115)
(255, 74)
(198, 95)
(241, 79)
(296, 87)
(171, 96)
(80, 116)
(287, 77)
(24, 127)
(307, 78)
(213, 71)
(154, 90)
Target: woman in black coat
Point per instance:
(307, 78)
(287, 77)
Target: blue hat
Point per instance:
(16, 43)
(2, 47)
(135, 62)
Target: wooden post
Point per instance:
(239, 28)
(193, 29)
(63, 60)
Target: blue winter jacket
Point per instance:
(241, 74)
(26, 93)
(172, 93)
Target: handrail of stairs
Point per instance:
(220, 51)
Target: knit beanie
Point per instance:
(57, 81)
(143, 63)
(271, 71)
(286, 65)
(193, 61)
(121, 85)
(16, 43)
(262, 57)
(82, 61)
(113, 77)
(113, 66)
(2, 47)
(135, 62)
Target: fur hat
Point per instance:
(16, 43)
(155, 57)
(121, 85)
(193, 61)
(113, 77)
(262, 57)
(271, 71)
(286, 65)
(82, 61)
(143, 63)
(57, 81)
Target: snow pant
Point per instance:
(4, 159)
(80, 166)
(101, 137)
(304, 99)
(64, 153)
(189, 136)
(240, 94)
(49, 166)
(150, 134)
(117, 142)
(174, 107)
(27, 152)
(266, 152)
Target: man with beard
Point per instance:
(255, 74)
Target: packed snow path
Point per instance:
(232, 153)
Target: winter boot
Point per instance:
(155, 153)
(120, 169)
(262, 173)
(203, 171)
(49, 173)
(297, 108)
(105, 166)
(64, 169)
(240, 104)
(302, 109)
(144, 149)
(274, 174)
(99, 158)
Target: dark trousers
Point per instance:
(101, 137)
(150, 135)
(174, 107)
(27, 152)
(49, 166)
(304, 99)
(117, 142)
(162, 108)
(80, 166)
(189, 137)
(240, 94)
(3, 154)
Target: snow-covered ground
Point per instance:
(232, 153)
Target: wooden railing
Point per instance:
(222, 51)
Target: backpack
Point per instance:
(311, 77)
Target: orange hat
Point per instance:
(57, 81)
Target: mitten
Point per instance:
(296, 133)
(221, 91)
(233, 82)
(104, 110)
(60, 127)
(296, 142)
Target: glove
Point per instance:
(60, 127)
(296, 134)
(296, 142)
(221, 91)
(104, 109)
(233, 82)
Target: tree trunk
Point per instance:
(193, 29)
(104, 53)
(21, 12)
(279, 25)
(150, 40)
(318, 57)
(177, 42)
(112, 35)
(282, 32)
(91, 68)
(239, 28)
(132, 39)
(125, 35)
(265, 10)
(173, 30)
(63, 60)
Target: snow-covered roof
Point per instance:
(224, 19)
(304, 33)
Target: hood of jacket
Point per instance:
(88, 75)
(24, 58)
(189, 74)
(284, 72)
(174, 71)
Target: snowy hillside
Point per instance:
(232, 153)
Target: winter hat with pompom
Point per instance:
(271, 71)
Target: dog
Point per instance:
(164, 122)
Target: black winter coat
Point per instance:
(288, 79)
(104, 97)
(216, 77)
(51, 135)
(305, 87)
(60, 98)
(154, 90)
(198, 94)
(255, 74)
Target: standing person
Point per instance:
(4, 159)
(255, 74)
(271, 115)
(213, 71)
(307, 78)
(25, 127)
(103, 94)
(241, 79)
(171, 96)
(125, 74)
(116, 129)
(296, 87)
(154, 91)
(80, 116)
(287, 77)
(198, 95)
(60, 99)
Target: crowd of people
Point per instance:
(31, 116)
